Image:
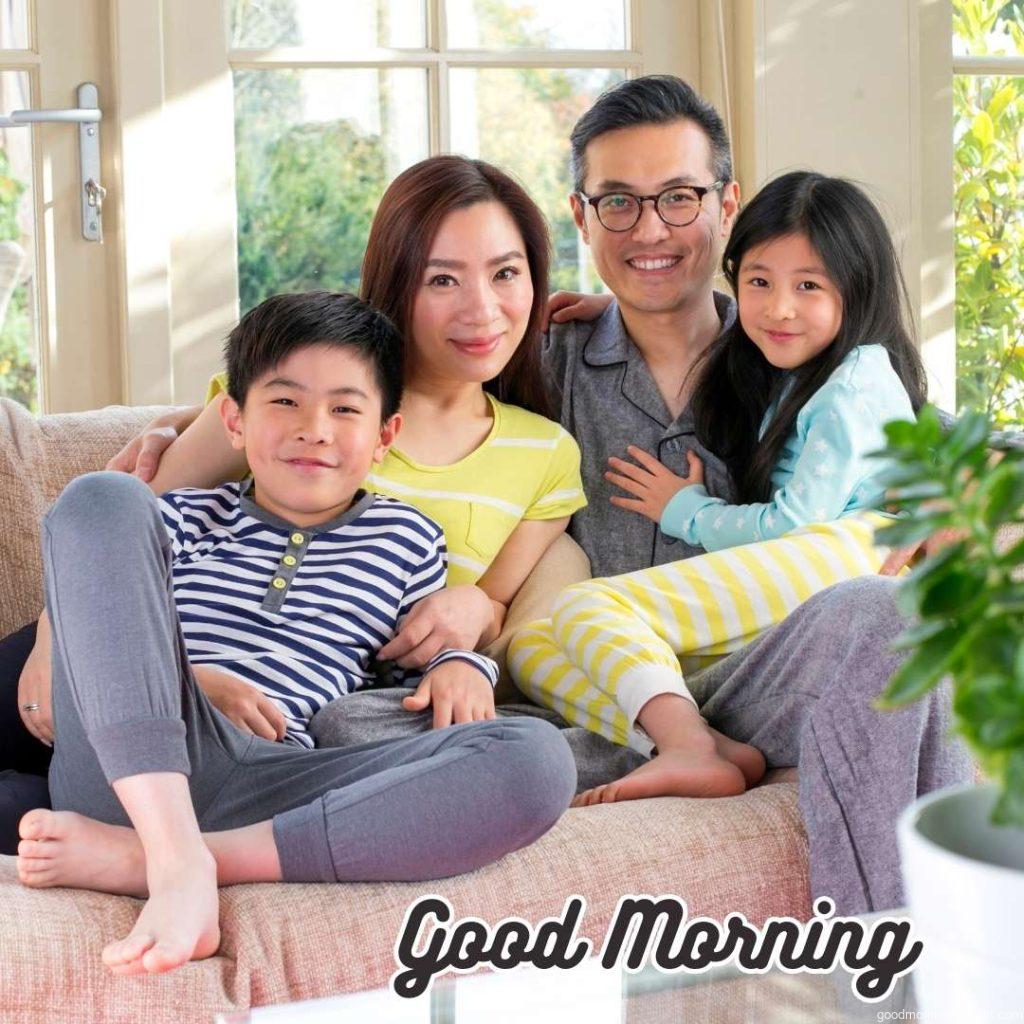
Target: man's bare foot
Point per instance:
(748, 759)
(179, 921)
(61, 848)
(698, 771)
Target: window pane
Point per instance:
(520, 119)
(568, 24)
(989, 137)
(984, 28)
(13, 26)
(18, 335)
(345, 26)
(314, 151)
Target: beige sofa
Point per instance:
(289, 942)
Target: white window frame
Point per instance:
(180, 302)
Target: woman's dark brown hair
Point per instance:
(404, 229)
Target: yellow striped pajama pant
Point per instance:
(612, 644)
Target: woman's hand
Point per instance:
(458, 692)
(651, 483)
(247, 707)
(455, 617)
(35, 686)
(565, 306)
(141, 455)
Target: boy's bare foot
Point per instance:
(180, 920)
(61, 848)
(748, 759)
(178, 923)
(697, 772)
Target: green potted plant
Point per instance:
(962, 849)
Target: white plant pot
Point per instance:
(964, 880)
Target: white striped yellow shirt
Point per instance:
(528, 467)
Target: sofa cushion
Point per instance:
(288, 942)
(38, 456)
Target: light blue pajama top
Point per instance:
(824, 471)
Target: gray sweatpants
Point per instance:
(125, 702)
(802, 694)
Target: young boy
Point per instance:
(287, 585)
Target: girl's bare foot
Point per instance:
(179, 921)
(61, 848)
(748, 759)
(697, 771)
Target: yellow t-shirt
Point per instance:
(528, 467)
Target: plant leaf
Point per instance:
(921, 671)
(1009, 808)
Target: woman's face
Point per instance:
(474, 301)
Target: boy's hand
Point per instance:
(34, 687)
(250, 710)
(565, 306)
(459, 693)
(452, 618)
(652, 484)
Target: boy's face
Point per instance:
(311, 428)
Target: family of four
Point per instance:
(208, 667)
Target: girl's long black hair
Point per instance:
(736, 384)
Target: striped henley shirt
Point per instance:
(300, 612)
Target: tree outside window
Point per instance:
(989, 206)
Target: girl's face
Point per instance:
(474, 301)
(788, 305)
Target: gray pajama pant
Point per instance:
(801, 693)
(125, 702)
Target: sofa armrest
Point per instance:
(562, 564)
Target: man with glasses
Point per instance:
(654, 198)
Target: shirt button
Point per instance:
(289, 559)
(279, 583)
(297, 538)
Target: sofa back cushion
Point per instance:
(38, 456)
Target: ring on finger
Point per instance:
(31, 706)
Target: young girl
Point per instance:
(816, 362)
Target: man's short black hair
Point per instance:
(270, 332)
(650, 99)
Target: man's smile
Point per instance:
(660, 263)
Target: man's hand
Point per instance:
(35, 686)
(565, 306)
(455, 617)
(899, 558)
(141, 455)
(249, 709)
(458, 691)
(652, 483)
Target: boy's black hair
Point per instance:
(650, 99)
(283, 324)
(737, 384)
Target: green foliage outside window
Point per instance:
(17, 343)
(307, 191)
(989, 203)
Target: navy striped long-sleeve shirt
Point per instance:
(300, 612)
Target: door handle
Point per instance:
(87, 115)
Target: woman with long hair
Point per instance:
(458, 259)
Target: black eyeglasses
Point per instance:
(677, 205)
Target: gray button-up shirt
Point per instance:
(606, 398)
